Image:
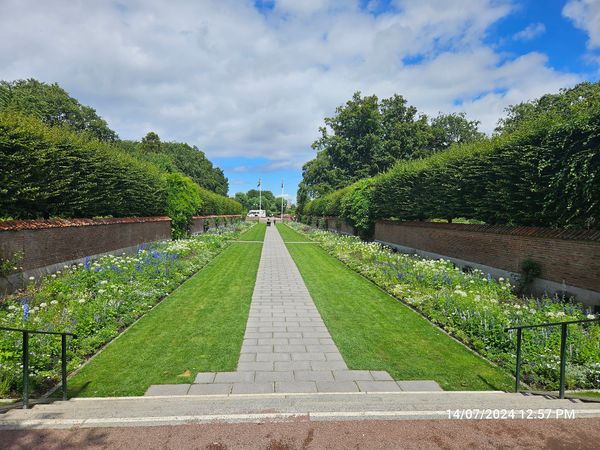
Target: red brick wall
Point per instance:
(571, 256)
(44, 243)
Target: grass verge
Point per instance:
(198, 328)
(289, 235)
(256, 233)
(375, 331)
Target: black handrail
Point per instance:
(26, 333)
(563, 349)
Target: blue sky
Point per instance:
(249, 82)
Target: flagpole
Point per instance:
(282, 200)
(259, 198)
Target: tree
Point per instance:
(367, 136)
(151, 143)
(455, 128)
(52, 105)
(561, 104)
(179, 157)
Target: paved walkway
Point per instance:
(287, 347)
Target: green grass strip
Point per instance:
(377, 332)
(290, 235)
(256, 233)
(198, 328)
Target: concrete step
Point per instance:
(173, 410)
(288, 381)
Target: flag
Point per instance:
(281, 184)
(258, 185)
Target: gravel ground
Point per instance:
(417, 434)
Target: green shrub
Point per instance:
(183, 201)
(57, 172)
(545, 172)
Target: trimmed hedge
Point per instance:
(56, 172)
(546, 172)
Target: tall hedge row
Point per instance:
(544, 173)
(53, 171)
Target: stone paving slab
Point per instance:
(287, 347)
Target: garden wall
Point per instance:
(202, 223)
(45, 245)
(339, 226)
(569, 259)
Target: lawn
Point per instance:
(198, 328)
(290, 235)
(375, 331)
(256, 233)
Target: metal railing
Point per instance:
(563, 349)
(26, 334)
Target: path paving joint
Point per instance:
(287, 347)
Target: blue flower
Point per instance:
(87, 263)
(25, 311)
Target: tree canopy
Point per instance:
(52, 105)
(179, 157)
(367, 136)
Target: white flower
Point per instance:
(477, 298)
(101, 291)
(103, 282)
(11, 307)
(81, 300)
(31, 278)
(54, 302)
(43, 305)
(501, 279)
(58, 272)
(591, 316)
(65, 267)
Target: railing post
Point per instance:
(563, 359)
(518, 371)
(25, 369)
(64, 364)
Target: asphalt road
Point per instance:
(412, 434)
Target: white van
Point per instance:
(257, 213)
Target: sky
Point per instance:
(250, 82)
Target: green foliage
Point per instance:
(10, 264)
(57, 172)
(150, 143)
(531, 270)
(179, 157)
(367, 136)
(545, 171)
(53, 106)
(183, 201)
(215, 204)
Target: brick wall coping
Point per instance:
(537, 232)
(17, 225)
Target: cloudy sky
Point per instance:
(249, 82)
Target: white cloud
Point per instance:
(236, 81)
(586, 15)
(530, 32)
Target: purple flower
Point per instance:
(87, 263)
(25, 311)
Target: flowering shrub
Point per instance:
(476, 309)
(96, 300)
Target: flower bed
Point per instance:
(476, 309)
(96, 300)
